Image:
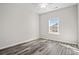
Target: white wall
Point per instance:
(18, 23)
(78, 24)
(68, 25)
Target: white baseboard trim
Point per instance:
(18, 43)
(61, 41)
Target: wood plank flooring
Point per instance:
(39, 47)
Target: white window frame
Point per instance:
(56, 33)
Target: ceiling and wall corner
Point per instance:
(50, 7)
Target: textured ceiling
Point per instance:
(36, 6)
(50, 7)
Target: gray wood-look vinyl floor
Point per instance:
(39, 47)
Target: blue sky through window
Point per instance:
(54, 21)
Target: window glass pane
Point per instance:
(54, 25)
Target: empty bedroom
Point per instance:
(39, 29)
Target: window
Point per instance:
(54, 25)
